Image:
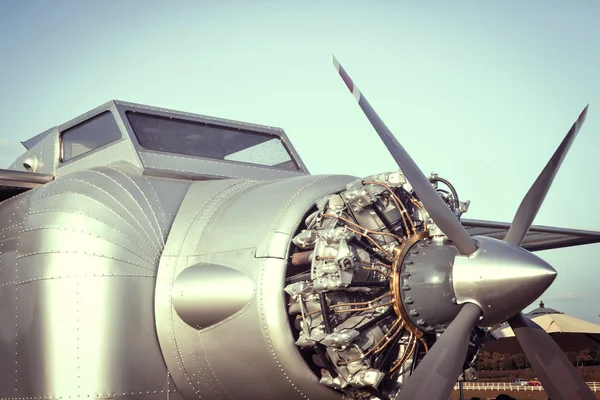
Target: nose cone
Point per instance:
(500, 278)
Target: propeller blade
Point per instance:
(435, 206)
(436, 374)
(534, 198)
(556, 373)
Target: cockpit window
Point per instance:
(89, 135)
(200, 139)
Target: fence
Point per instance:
(505, 386)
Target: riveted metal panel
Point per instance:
(201, 196)
(92, 331)
(12, 214)
(45, 150)
(227, 223)
(262, 213)
(116, 152)
(78, 259)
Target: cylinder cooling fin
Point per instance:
(369, 286)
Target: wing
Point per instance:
(537, 238)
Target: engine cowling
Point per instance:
(221, 311)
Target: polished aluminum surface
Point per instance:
(246, 226)
(76, 307)
(205, 294)
(44, 148)
(500, 278)
(77, 312)
(21, 178)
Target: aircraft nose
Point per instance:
(500, 278)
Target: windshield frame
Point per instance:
(274, 132)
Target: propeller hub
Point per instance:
(500, 278)
(432, 281)
(422, 284)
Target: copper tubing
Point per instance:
(361, 303)
(410, 348)
(365, 232)
(395, 329)
(419, 205)
(386, 274)
(372, 307)
(370, 239)
(357, 226)
(376, 264)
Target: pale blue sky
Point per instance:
(478, 92)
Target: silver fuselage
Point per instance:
(88, 262)
(87, 267)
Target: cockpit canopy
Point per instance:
(201, 139)
(165, 143)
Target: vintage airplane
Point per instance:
(155, 254)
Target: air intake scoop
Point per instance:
(207, 294)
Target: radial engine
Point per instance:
(369, 285)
